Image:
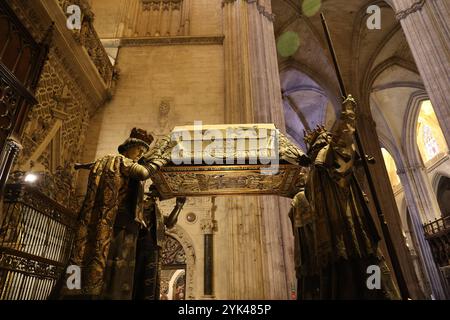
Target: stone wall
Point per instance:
(160, 87)
(139, 18)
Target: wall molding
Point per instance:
(169, 41)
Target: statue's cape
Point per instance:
(106, 189)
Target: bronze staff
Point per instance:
(365, 162)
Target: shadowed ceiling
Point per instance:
(377, 65)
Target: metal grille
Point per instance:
(437, 226)
(35, 241)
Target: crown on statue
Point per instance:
(138, 137)
(311, 135)
(141, 134)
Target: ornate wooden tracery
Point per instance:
(21, 62)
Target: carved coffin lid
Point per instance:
(221, 141)
(228, 160)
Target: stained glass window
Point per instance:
(430, 139)
(431, 145)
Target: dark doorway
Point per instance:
(443, 196)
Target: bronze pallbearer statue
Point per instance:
(149, 246)
(110, 219)
(336, 240)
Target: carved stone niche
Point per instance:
(161, 4)
(253, 159)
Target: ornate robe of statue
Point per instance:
(336, 239)
(109, 221)
(149, 248)
(110, 218)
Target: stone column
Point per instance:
(208, 225)
(422, 206)
(260, 236)
(423, 192)
(426, 27)
(369, 137)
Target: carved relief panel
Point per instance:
(21, 61)
(155, 18)
(54, 135)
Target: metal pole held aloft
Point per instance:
(384, 228)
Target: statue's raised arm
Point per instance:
(291, 153)
(159, 155)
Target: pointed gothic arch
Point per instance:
(442, 190)
(409, 134)
(180, 235)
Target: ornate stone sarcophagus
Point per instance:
(254, 159)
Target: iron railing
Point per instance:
(438, 235)
(36, 237)
(437, 226)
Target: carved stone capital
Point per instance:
(261, 9)
(410, 169)
(208, 226)
(225, 2)
(416, 6)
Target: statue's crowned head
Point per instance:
(139, 140)
(317, 139)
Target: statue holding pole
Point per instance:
(336, 240)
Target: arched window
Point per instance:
(431, 146)
(430, 140)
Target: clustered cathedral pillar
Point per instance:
(208, 225)
(418, 206)
(260, 235)
(425, 24)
